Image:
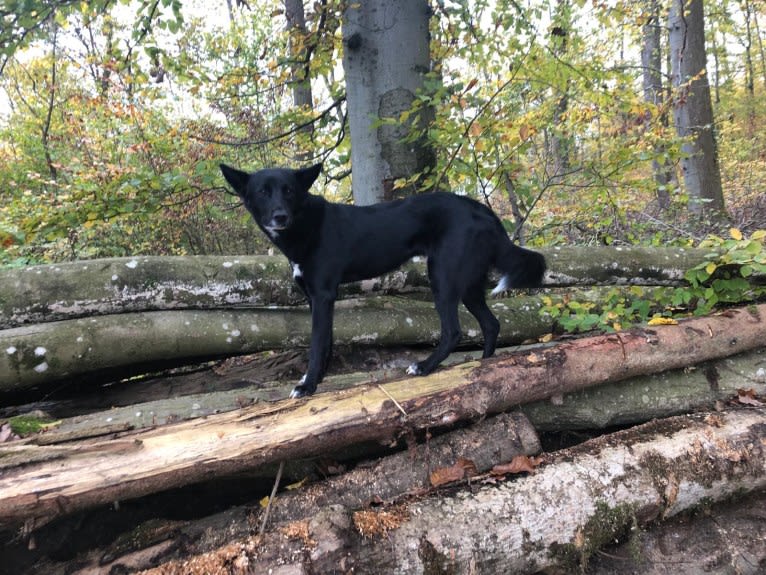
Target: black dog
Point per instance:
(329, 244)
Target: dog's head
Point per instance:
(273, 196)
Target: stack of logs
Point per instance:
(450, 501)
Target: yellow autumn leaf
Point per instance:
(710, 268)
(264, 502)
(545, 338)
(297, 484)
(662, 321)
(735, 234)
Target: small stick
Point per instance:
(391, 397)
(271, 498)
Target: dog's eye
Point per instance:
(288, 192)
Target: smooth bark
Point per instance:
(38, 294)
(693, 110)
(386, 55)
(121, 345)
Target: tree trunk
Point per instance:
(300, 59)
(716, 68)
(554, 520)
(54, 292)
(385, 58)
(747, 11)
(693, 110)
(559, 143)
(41, 482)
(761, 52)
(478, 447)
(51, 87)
(651, 63)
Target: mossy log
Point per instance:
(554, 520)
(55, 292)
(132, 343)
(41, 482)
(645, 397)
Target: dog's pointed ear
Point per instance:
(307, 176)
(237, 178)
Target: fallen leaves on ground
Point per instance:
(519, 464)
(748, 397)
(461, 469)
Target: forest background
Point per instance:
(558, 113)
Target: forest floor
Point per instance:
(726, 538)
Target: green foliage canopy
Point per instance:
(120, 111)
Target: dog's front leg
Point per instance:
(321, 344)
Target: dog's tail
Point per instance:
(522, 268)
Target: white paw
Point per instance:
(413, 369)
(298, 390)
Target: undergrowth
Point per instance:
(733, 272)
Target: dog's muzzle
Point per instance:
(279, 220)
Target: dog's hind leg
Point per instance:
(446, 300)
(450, 337)
(476, 303)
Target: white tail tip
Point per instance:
(502, 286)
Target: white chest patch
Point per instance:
(273, 233)
(297, 271)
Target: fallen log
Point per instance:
(54, 292)
(406, 472)
(639, 399)
(478, 447)
(130, 344)
(629, 402)
(727, 537)
(586, 497)
(41, 482)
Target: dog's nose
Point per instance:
(280, 219)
